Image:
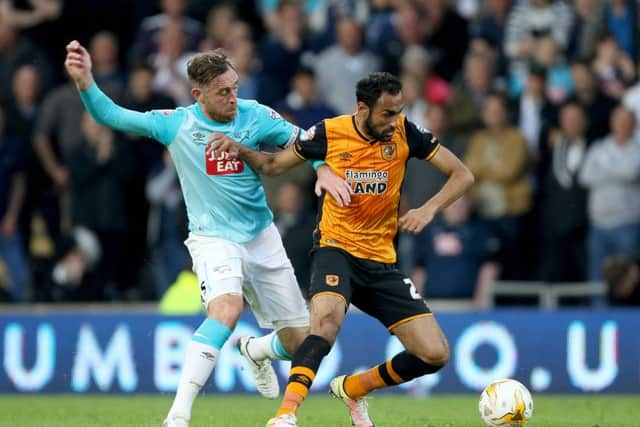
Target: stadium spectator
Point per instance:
(559, 82)
(99, 167)
(622, 275)
(12, 191)
(612, 67)
(242, 54)
(455, 256)
(148, 39)
(587, 25)
(621, 18)
(57, 131)
(168, 253)
(340, 66)
(40, 11)
(281, 50)
(530, 19)
(491, 22)
(146, 154)
(390, 32)
(104, 52)
(563, 206)
(611, 172)
(422, 180)
(220, 20)
(464, 106)
(593, 101)
(303, 105)
(415, 105)
(499, 159)
(16, 51)
(170, 63)
(40, 196)
(417, 61)
(535, 116)
(75, 275)
(447, 36)
(295, 224)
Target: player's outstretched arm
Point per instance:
(459, 181)
(99, 105)
(78, 65)
(264, 163)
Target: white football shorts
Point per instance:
(263, 272)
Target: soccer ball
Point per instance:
(505, 403)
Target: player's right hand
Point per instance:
(78, 65)
(220, 143)
(328, 181)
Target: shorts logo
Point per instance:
(388, 151)
(332, 280)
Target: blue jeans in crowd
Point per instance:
(13, 257)
(603, 242)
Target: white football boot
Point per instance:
(357, 407)
(175, 421)
(264, 375)
(285, 420)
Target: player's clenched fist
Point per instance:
(78, 65)
(220, 143)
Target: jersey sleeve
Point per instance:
(161, 125)
(312, 144)
(422, 143)
(273, 129)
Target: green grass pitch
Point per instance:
(318, 411)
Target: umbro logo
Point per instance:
(208, 356)
(199, 138)
(345, 156)
(240, 136)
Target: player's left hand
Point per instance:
(415, 220)
(220, 143)
(339, 189)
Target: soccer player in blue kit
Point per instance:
(235, 247)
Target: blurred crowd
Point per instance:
(540, 98)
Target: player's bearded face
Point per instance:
(382, 119)
(382, 130)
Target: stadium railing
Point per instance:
(549, 295)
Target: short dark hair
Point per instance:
(304, 70)
(203, 67)
(369, 89)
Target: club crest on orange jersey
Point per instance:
(332, 280)
(388, 151)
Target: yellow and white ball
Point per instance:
(505, 403)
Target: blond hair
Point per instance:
(206, 66)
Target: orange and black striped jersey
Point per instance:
(375, 170)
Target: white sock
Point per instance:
(196, 369)
(267, 347)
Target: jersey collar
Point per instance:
(368, 140)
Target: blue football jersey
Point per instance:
(224, 197)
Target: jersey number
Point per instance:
(412, 288)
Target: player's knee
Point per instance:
(436, 354)
(226, 309)
(291, 338)
(326, 326)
